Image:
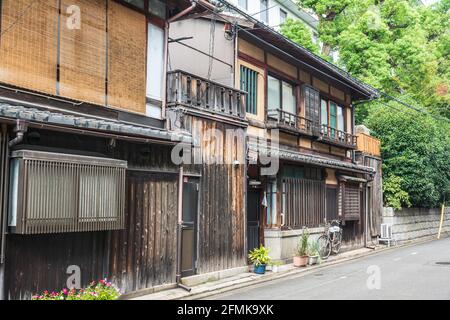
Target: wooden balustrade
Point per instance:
(191, 91)
(286, 120)
(337, 136)
(368, 144)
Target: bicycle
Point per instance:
(331, 239)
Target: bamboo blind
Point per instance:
(83, 52)
(126, 58)
(28, 44)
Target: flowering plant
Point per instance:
(101, 290)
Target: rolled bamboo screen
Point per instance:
(83, 51)
(28, 45)
(368, 144)
(126, 58)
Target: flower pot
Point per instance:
(300, 261)
(312, 260)
(259, 269)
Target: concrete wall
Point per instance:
(282, 244)
(184, 58)
(411, 224)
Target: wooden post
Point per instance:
(442, 221)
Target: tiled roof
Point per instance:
(85, 122)
(286, 154)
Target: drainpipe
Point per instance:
(183, 13)
(20, 129)
(179, 231)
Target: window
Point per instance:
(249, 83)
(243, 4)
(264, 15)
(155, 70)
(283, 16)
(281, 95)
(312, 103)
(323, 112)
(58, 191)
(332, 118)
(340, 118)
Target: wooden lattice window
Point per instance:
(352, 202)
(249, 84)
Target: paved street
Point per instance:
(415, 272)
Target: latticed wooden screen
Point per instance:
(303, 202)
(249, 84)
(352, 202)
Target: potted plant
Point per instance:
(313, 252)
(301, 255)
(274, 266)
(260, 258)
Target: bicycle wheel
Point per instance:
(325, 246)
(337, 242)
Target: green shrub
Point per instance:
(394, 195)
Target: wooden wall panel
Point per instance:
(126, 58)
(222, 203)
(83, 52)
(35, 263)
(144, 253)
(28, 44)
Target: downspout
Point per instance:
(19, 129)
(179, 231)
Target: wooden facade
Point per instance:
(140, 256)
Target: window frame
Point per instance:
(282, 80)
(264, 11)
(283, 16)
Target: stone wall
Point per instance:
(410, 224)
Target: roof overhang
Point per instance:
(256, 150)
(57, 121)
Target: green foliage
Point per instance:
(402, 48)
(398, 46)
(416, 148)
(102, 290)
(299, 33)
(302, 247)
(314, 249)
(259, 256)
(393, 194)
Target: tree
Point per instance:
(415, 148)
(300, 34)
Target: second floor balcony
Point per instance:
(295, 124)
(201, 95)
(289, 122)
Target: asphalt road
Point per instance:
(415, 272)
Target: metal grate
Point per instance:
(54, 192)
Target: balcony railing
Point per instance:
(197, 93)
(277, 118)
(368, 145)
(337, 137)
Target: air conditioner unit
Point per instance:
(55, 192)
(386, 231)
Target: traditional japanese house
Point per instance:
(300, 113)
(88, 185)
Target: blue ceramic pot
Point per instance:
(260, 269)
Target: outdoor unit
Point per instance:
(54, 193)
(386, 231)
